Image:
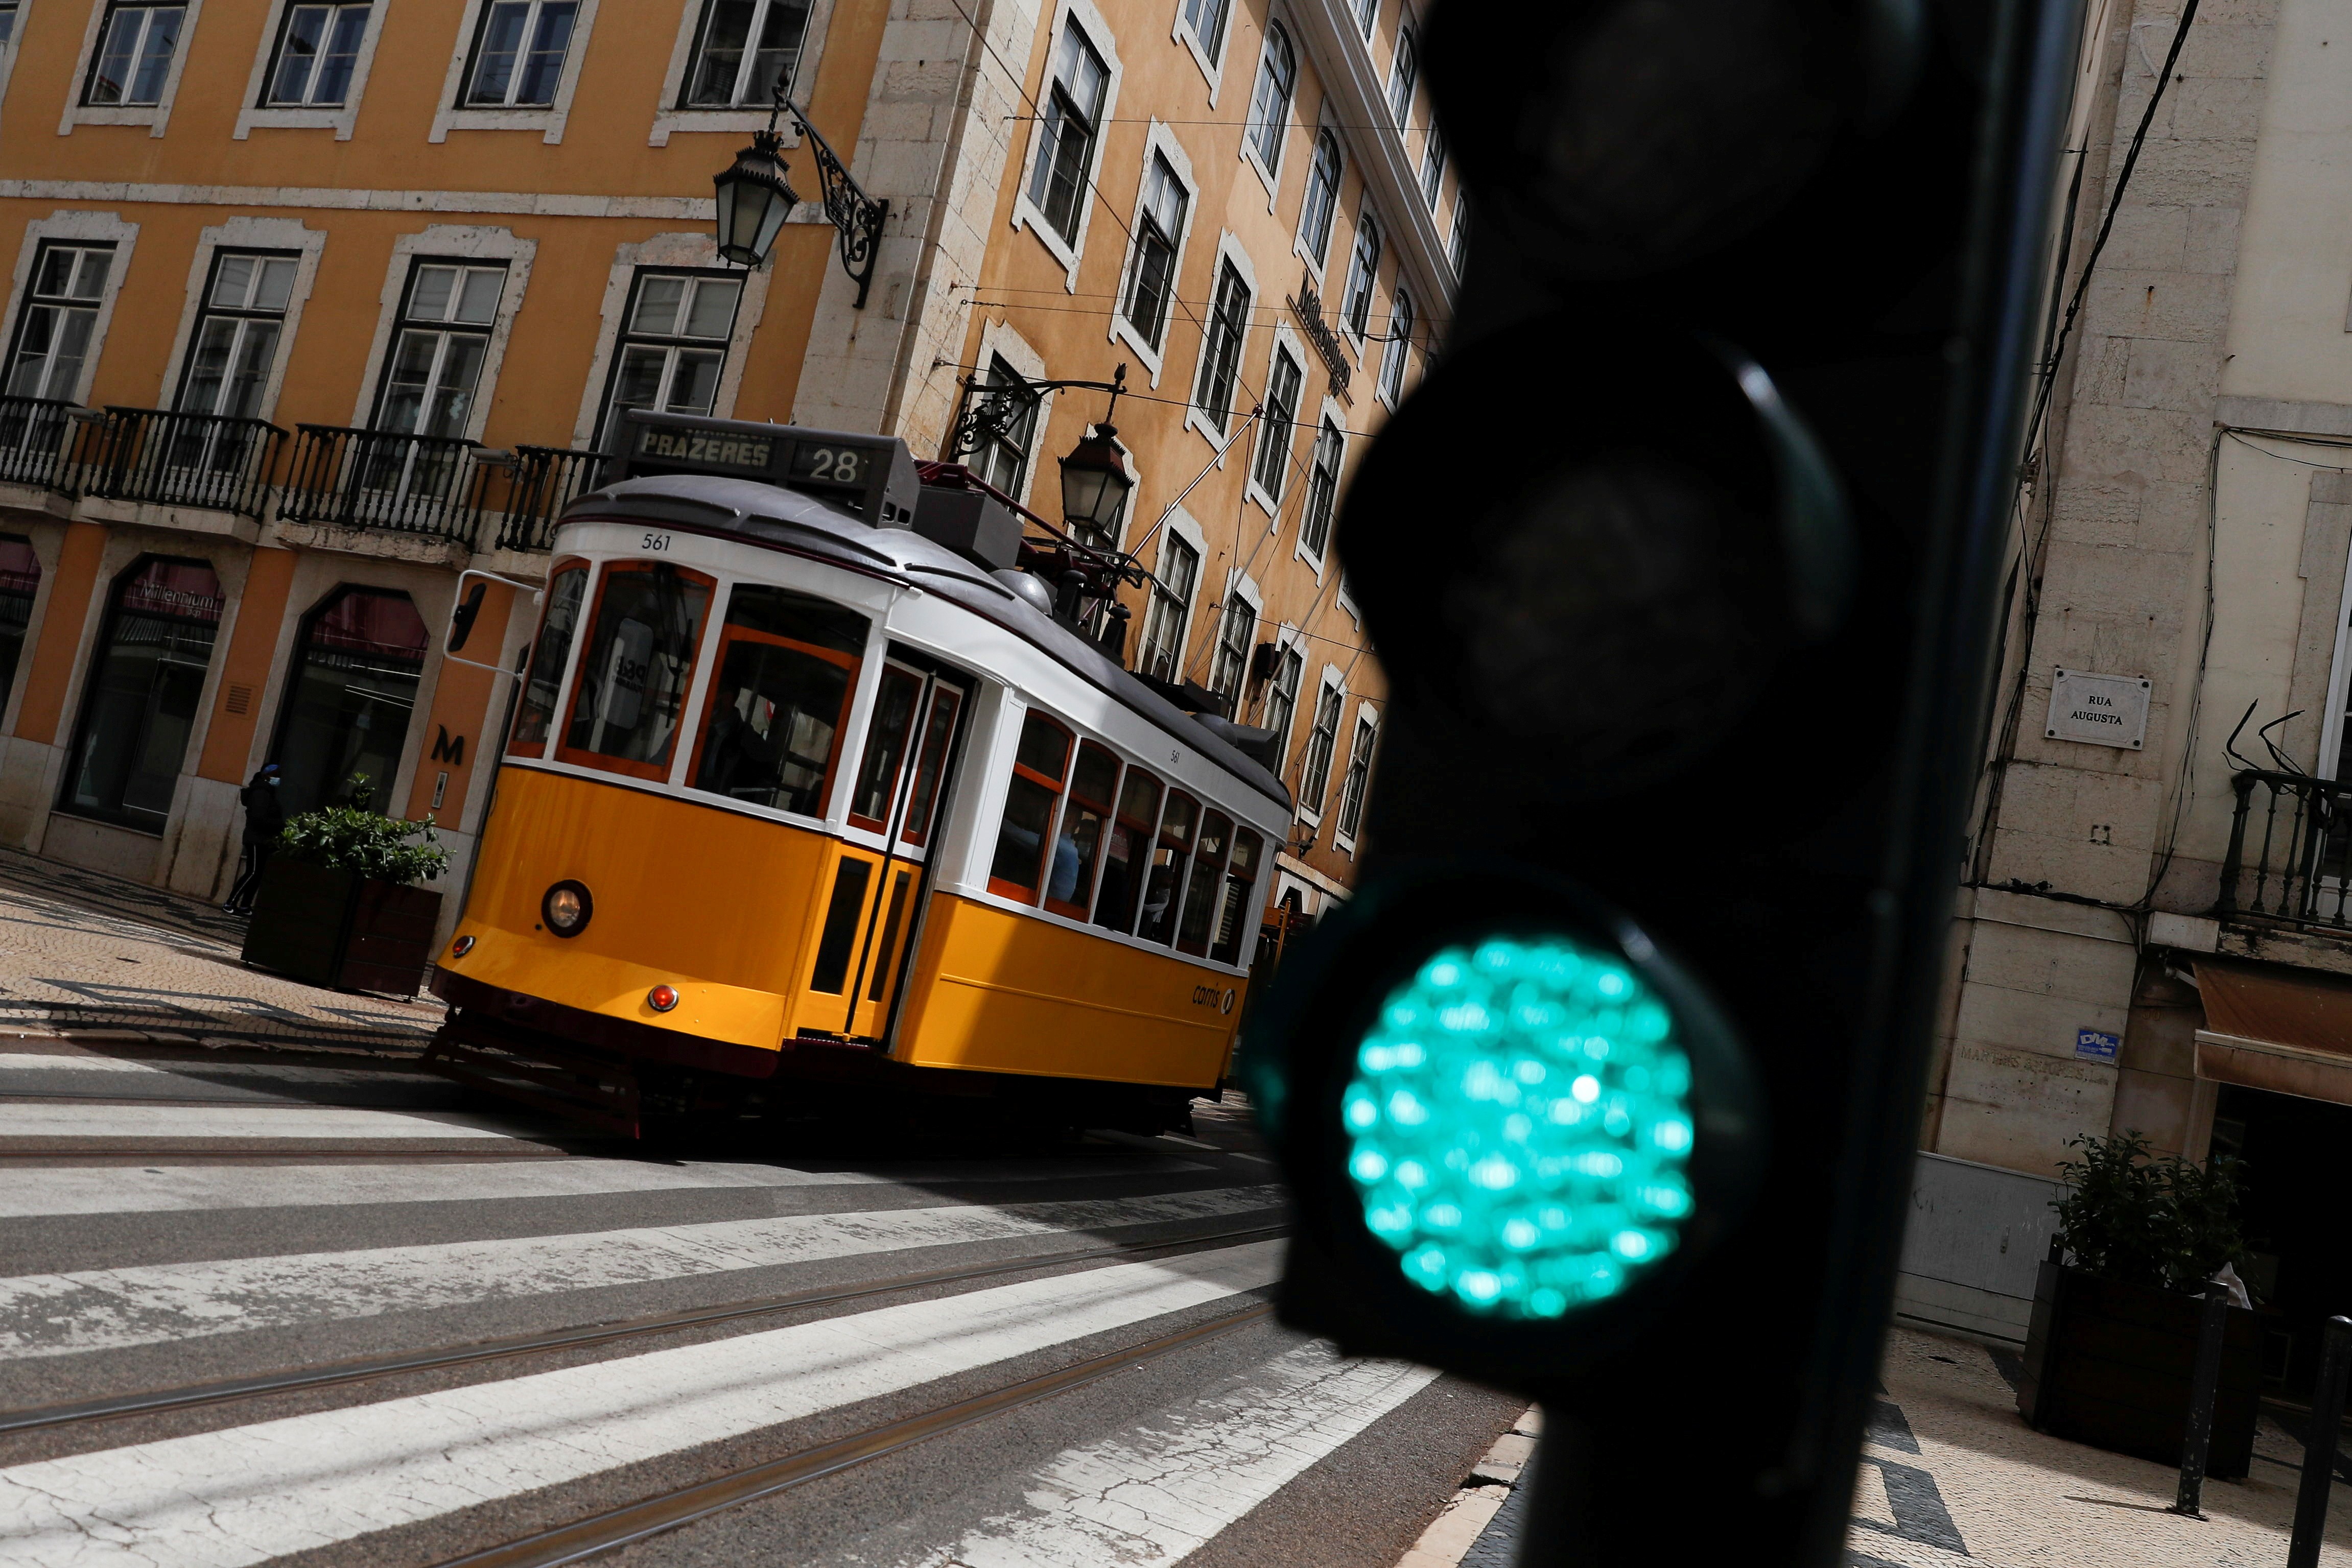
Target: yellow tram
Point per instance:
(798, 801)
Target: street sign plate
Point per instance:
(2098, 710)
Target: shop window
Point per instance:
(1065, 151)
(1235, 919)
(743, 51)
(780, 692)
(20, 581)
(236, 338)
(1221, 345)
(1269, 116)
(519, 51)
(145, 683)
(349, 699)
(631, 689)
(1152, 270)
(60, 313)
(1322, 197)
(1202, 900)
(318, 51)
(1165, 883)
(675, 344)
(1040, 762)
(535, 715)
(1127, 851)
(437, 349)
(1078, 847)
(133, 57)
(1162, 652)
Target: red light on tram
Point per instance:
(461, 946)
(661, 998)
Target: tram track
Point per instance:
(82, 1413)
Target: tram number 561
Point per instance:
(655, 542)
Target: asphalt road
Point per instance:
(894, 1354)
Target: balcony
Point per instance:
(2287, 881)
(169, 459)
(541, 482)
(40, 440)
(344, 477)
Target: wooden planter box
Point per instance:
(2109, 1364)
(337, 928)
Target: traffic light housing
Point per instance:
(1683, 564)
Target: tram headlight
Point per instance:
(661, 998)
(566, 908)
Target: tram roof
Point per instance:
(785, 520)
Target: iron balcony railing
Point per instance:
(2290, 857)
(382, 479)
(41, 440)
(171, 458)
(541, 482)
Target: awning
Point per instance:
(2267, 1028)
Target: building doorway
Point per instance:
(349, 699)
(144, 684)
(2298, 1155)
(20, 581)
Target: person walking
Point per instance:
(264, 818)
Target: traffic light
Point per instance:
(1681, 563)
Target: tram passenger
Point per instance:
(739, 758)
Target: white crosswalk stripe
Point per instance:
(275, 1072)
(221, 1500)
(58, 1314)
(242, 1123)
(71, 1189)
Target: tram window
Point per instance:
(1130, 844)
(886, 748)
(1201, 900)
(889, 943)
(632, 676)
(1162, 888)
(1234, 920)
(1094, 784)
(937, 731)
(787, 665)
(1038, 766)
(536, 715)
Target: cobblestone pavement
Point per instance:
(91, 956)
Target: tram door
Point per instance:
(899, 782)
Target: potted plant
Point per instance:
(338, 904)
(2112, 1342)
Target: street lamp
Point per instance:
(1094, 482)
(755, 198)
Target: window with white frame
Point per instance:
(1360, 774)
(437, 348)
(1396, 361)
(1322, 490)
(1151, 271)
(237, 334)
(1315, 769)
(673, 343)
(1236, 631)
(744, 50)
(1322, 198)
(1284, 377)
(1368, 14)
(1003, 461)
(1404, 74)
(133, 57)
(1206, 20)
(1457, 243)
(1066, 150)
(59, 314)
(1277, 81)
(1221, 345)
(318, 53)
(1433, 165)
(1161, 652)
(1282, 698)
(1363, 268)
(519, 49)
(7, 23)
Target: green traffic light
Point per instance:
(1519, 1126)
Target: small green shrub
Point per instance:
(2147, 1218)
(350, 838)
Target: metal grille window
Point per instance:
(1283, 380)
(1433, 165)
(133, 57)
(1322, 196)
(1277, 79)
(1221, 345)
(518, 53)
(744, 50)
(1360, 773)
(1151, 275)
(1315, 770)
(1322, 490)
(1395, 363)
(674, 343)
(1403, 76)
(235, 339)
(1162, 650)
(1065, 151)
(1205, 19)
(1282, 699)
(60, 312)
(437, 352)
(318, 50)
(1356, 304)
(1004, 461)
(1236, 630)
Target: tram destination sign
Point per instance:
(871, 476)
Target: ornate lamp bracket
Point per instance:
(855, 216)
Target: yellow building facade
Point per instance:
(316, 306)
